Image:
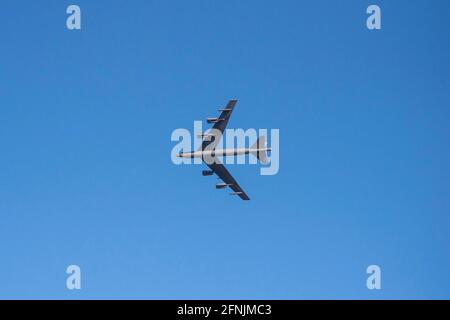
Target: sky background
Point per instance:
(86, 176)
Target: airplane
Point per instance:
(209, 154)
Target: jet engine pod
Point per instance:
(207, 173)
(213, 120)
(221, 185)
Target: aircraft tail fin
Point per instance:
(261, 155)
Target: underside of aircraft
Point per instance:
(210, 154)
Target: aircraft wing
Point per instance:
(223, 174)
(220, 124)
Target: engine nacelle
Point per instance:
(205, 136)
(207, 173)
(213, 120)
(221, 185)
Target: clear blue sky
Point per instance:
(85, 170)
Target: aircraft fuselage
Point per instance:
(220, 152)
